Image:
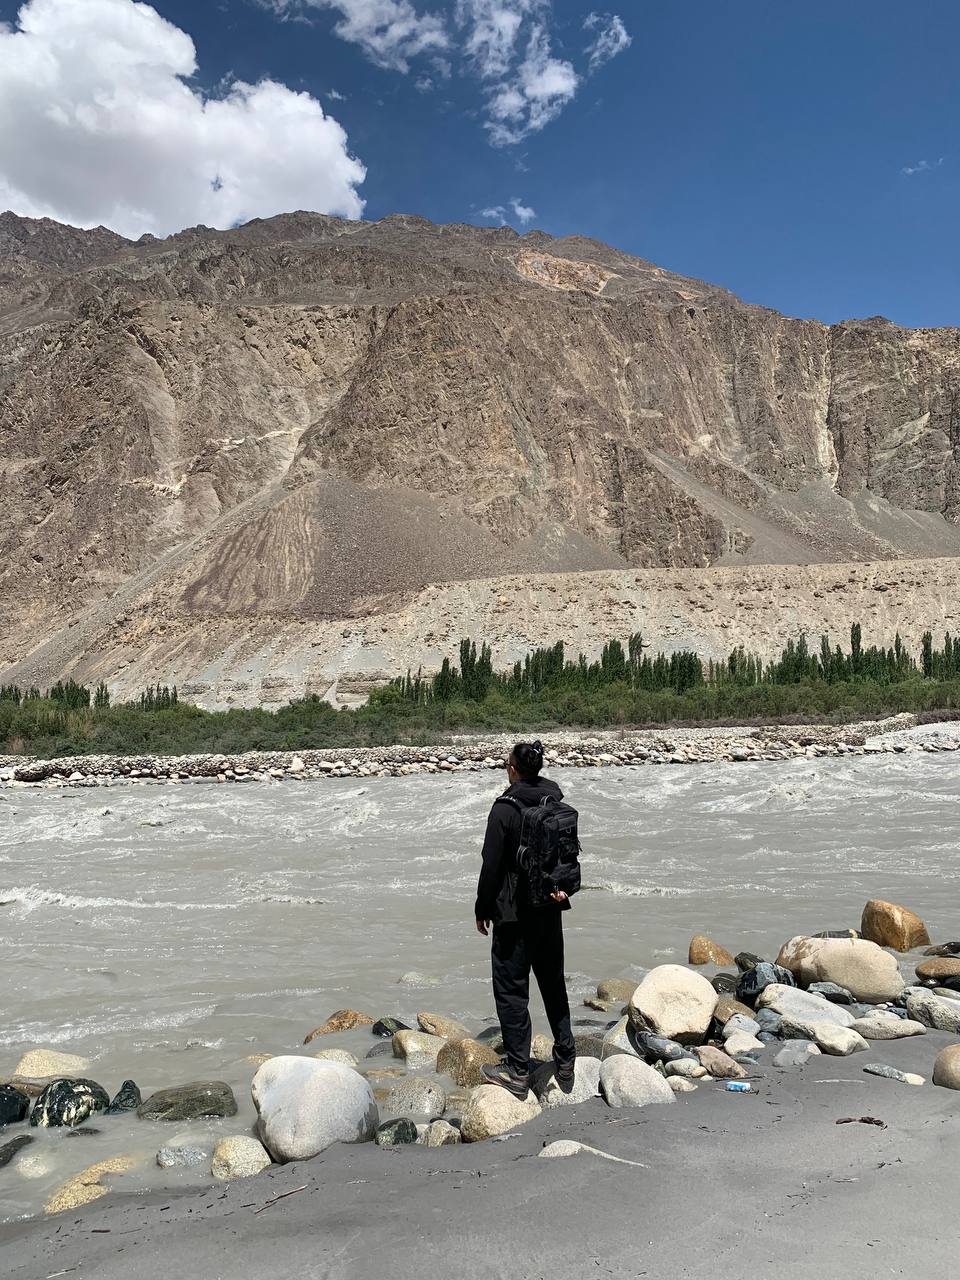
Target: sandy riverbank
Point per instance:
(735, 1184)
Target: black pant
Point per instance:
(536, 943)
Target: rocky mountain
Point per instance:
(213, 439)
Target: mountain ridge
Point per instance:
(313, 419)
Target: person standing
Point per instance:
(527, 922)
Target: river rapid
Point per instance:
(168, 932)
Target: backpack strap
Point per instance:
(512, 800)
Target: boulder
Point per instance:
(790, 1002)
(828, 1037)
(68, 1103)
(304, 1105)
(387, 1027)
(740, 1023)
(46, 1062)
(14, 1105)
(886, 1026)
(659, 1048)
(199, 1098)
(725, 984)
(586, 1084)
(673, 1002)
(742, 1042)
(728, 1007)
(719, 1064)
(893, 1073)
(239, 1157)
(944, 949)
(704, 950)
(679, 1084)
(621, 1038)
(342, 1020)
(442, 1134)
(382, 1050)
(491, 1111)
(830, 991)
(628, 1082)
(416, 1096)
(32, 1087)
(616, 990)
(127, 1098)
(87, 1185)
(401, 1132)
(417, 1049)
(861, 967)
(343, 1056)
(541, 1048)
(755, 981)
(600, 1006)
(461, 1060)
(181, 1157)
(747, 960)
(934, 1011)
(946, 1068)
(688, 1068)
(435, 1024)
(939, 968)
(9, 1149)
(890, 925)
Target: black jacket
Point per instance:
(498, 898)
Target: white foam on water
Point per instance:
(32, 897)
(621, 889)
(286, 899)
(39, 1033)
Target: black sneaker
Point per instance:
(503, 1074)
(564, 1074)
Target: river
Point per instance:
(167, 932)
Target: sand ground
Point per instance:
(734, 1184)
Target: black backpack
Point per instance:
(549, 852)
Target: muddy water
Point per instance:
(168, 932)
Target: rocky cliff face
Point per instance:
(309, 419)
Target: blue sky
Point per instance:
(804, 156)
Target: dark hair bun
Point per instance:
(529, 758)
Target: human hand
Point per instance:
(483, 926)
(558, 895)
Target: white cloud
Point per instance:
(334, 96)
(537, 92)
(390, 32)
(100, 125)
(506, 45)
(922, 166)
(612, 38)
(492, 28)
(522, 213)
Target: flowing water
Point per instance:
(167, 932)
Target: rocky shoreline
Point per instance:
(565, 749)
(839, 993)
